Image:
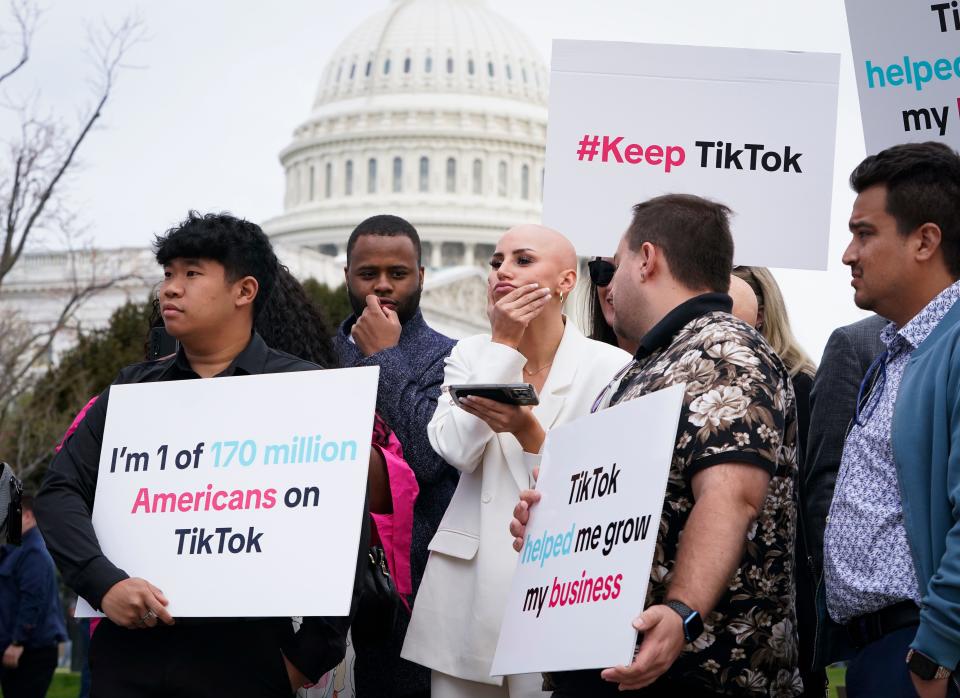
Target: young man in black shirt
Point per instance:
(218, 273)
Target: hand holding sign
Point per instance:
(135, 603)
(521, 514)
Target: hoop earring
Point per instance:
(561, 297)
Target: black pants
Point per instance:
(31, 678)
(240, 659)
(879, 668)
(662, 688)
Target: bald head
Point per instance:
(546, 242)
(745, 304)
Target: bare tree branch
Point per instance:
(45, 153)
(25, 16)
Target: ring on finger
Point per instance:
(147, 616)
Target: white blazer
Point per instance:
(461, 600)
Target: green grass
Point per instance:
(836, 675)
(64, 685)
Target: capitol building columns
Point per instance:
(433, 110)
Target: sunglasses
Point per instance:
(601, 271)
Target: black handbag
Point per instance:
(379, 600)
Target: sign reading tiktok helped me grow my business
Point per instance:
(752, 129)
(239, 496)
(907, 58)
(583, 572)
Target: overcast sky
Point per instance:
(219, 86)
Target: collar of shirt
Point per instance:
(664, 331)
(248, 362)
(922, 324)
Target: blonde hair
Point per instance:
(773, 322)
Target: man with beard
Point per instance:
(384, 281)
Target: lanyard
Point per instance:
(876, 377)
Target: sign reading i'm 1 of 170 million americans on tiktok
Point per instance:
(239, 496)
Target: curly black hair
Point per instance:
(239, 245)
(292, 323)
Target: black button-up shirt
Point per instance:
(64, 504)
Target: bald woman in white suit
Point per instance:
(456, 619)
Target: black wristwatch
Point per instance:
(692, 622)
(926, 668)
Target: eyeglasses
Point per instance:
(601, 271)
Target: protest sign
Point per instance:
(583, 572)
(906, 55)
(752, 129)
(239, 496)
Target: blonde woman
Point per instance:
(774, 325)
(456, 619)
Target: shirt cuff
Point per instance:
(748, 457)
(940, 647)
(97, 578)
(531, 461)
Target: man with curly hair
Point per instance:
(218, 274)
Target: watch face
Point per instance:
(693, 626)
(922, 665)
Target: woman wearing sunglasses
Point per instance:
(599, 315)
(456, 619)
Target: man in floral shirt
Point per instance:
(720, 614)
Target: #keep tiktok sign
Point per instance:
(239, 496)
(583, 572)
(751, 129)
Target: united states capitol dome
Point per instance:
(434, 110)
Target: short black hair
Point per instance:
(923, 186)
(239, 245)
(386, 226)
(694, 235)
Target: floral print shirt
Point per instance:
(738, 408)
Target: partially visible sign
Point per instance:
(907, 58)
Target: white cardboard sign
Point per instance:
(752, 129)
(583, 572)
(906, 55)
(239, 496)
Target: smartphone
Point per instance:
(160, 344)
(507, 393)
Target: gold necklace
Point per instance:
(539, 370)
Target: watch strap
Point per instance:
(692, 623)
